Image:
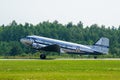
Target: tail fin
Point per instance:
(103, 42)
(102, 45)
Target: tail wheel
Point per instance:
(42, 56)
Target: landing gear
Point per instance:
(95, 57)
(42, 56)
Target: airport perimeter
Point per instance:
(84, 69)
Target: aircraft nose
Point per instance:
(26, 41)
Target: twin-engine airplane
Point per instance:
(53, 45)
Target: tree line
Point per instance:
(11, 34)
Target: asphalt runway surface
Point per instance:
(68, 59)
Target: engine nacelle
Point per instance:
(53, 48)
(37, 46)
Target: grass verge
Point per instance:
(59, 70)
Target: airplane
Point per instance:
(101, 47)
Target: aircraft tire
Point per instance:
(95, 57)
(42, 56)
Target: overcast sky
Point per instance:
(105, 12)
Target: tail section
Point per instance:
(104, 42)
(102, 45)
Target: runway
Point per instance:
(89, 59)
(68, 59)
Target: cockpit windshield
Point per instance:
(29, 38)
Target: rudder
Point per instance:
(102, 45)
(104, 42)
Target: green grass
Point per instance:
(59, 70)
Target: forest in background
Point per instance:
(11, 34)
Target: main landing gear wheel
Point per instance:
(42, 56)
(95, 57)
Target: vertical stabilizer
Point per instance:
(104, 42)
(102, 45)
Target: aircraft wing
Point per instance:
(54, 48)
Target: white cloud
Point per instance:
(34, 11)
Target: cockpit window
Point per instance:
(28, 38)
